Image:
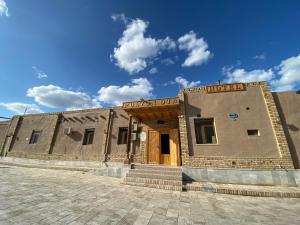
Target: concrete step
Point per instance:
(153, 181)
(156, 167)
(161, 176)
(159, 186)
(158, 172)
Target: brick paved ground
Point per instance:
(40, 196)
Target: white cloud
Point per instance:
(289, 72)
(167, 61)
(21, 108)
(56, 97)
(260, 56)
(241, 75)
(134, 49)
(137, 89)
(40, 74)
(284, 77)
(185, 83)
(197, 49)
(153, 70)
(120, 17)
(3, 8)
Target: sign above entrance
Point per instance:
(225, 88)
(151, 103)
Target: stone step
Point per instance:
(247, 190)
(156, 167)
(133, 173)
(159, 186)
(153, 181)
(156, 172)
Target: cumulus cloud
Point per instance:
(39, 73)
(153, 70)
(137, 89)
(56, 97)
(3, 8)
(289, 74)
(185, 83)
(197, 49)
(134, 49)
(21, 108)
(284, 77)
(241, 75)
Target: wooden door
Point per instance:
(174, 148)
(153, 147)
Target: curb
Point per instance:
(245, 192)
(83, 169)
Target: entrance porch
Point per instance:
(158, 133)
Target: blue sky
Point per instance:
(62, 55)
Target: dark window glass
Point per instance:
(205, 131)
(34, 136)
(88, 136)
(123, 134)
(164, 142)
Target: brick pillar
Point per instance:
(184, 144)
(12, 131)
(106, 134)
(52, 134)
(284, 152)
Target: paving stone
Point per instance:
(40, 196)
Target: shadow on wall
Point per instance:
(191, 111)
(292, 127)
(286, 128)
(76, 136)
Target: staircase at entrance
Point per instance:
(163, 177)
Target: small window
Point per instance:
(35, 136)
(123, 134)
(88, 136)
(253, 132)
(205, 131)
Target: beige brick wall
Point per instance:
(279, 156)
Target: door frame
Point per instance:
(162, 131)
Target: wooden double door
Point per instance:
(163, 147)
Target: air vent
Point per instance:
(67, 130)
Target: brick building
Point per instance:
(220, 126)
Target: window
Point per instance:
(253, 132)
(35, 136)
(122, 137)
(205, 131)
(88, 136)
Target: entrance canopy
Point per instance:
(164, 108)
